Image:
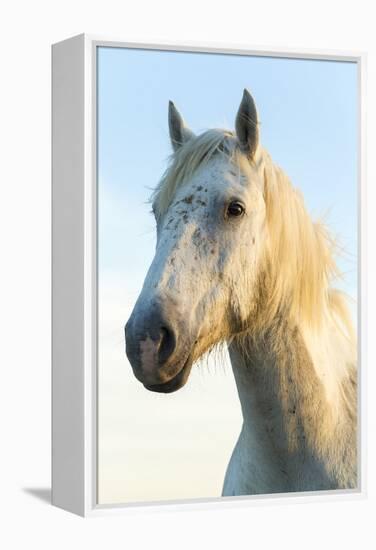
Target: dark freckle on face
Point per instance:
(253, 240)
(181, 212)
(199, 201)
(212, 251)
(199, 188)
(188, 199)
(205, 190)
(185, 218)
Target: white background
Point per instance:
(27, 30)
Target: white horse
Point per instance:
(238, 260)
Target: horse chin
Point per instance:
(175, 383)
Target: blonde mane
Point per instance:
(299, 261)
(298, 264)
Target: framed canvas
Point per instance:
(208, 290)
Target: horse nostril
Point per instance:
(167, 344)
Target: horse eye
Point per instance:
(235, 209)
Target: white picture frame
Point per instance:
(74, 275)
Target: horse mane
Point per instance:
(297, 265)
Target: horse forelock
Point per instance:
(184, 162)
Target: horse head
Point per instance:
(210, 215)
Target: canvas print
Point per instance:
(227, 275)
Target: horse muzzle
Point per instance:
(158, 348)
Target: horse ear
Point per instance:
(246, 125)
(179, 132)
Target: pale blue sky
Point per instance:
(308, 114)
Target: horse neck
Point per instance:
(299, 392)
